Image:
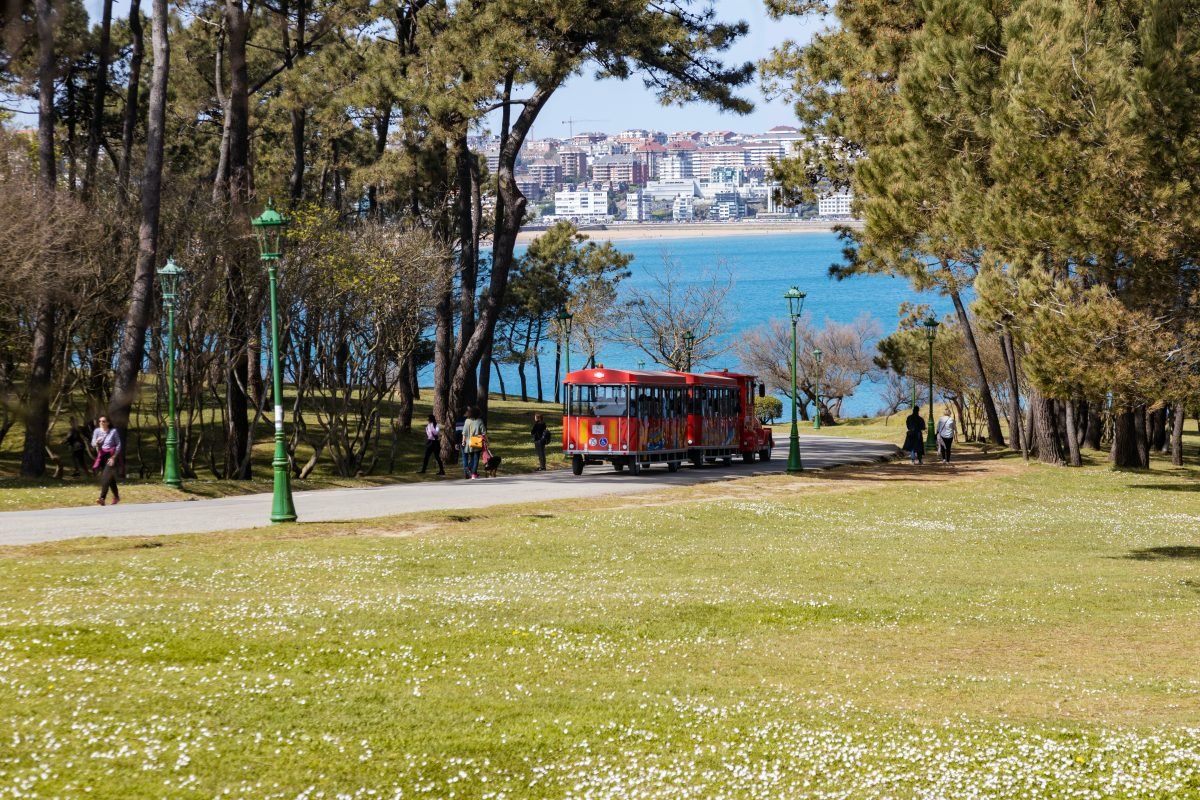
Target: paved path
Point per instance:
(252, 511)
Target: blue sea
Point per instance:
(763, 268)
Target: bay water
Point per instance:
(763, 268)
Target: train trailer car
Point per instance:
(754, 440)
(624, 417)
(712, 417)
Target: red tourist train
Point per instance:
(633, 418)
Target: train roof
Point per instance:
(707, 378)
(600, 375)
(724, 373)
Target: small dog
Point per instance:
(491, 467)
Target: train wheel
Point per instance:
(748, 458)
(634, 467)
(727, 461)
(698, 461)
(672, 466)
(764, 454)
(577, 464)
(618, 465)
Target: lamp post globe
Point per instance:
(689, 342)
(641, 366)
(564, 321)
(795, 300)
(817, 355)
(170, 276)
(931, 327)
(269, 227)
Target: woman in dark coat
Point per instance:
(914, 441)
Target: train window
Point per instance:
(611, 401)
(580, 400)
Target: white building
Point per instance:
(834, 205)
(670, 189)
(637, 206)
(581, 206)
(683, 209)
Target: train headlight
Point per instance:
(690, 441)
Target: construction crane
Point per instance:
(570, 123)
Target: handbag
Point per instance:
(475, 442)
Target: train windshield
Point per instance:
(598, 401)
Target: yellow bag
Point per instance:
(475, 443)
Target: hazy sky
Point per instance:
(628, 104)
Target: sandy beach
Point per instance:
(650, 231)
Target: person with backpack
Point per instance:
(107, 443)
(914, 440)
(541, 437)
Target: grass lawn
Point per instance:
(989, 630)
(510, 422)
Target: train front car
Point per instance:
(754, 440)
(623, 417)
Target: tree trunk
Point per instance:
(41, 357)
(404, 387)
(500, 380)
(1092, 437)
(1141, 429)
(141, 294)
(1157, 433)
(1177, 434)
(995, 433)
(537, 361)
(237, 441)
(101, 90)
(131, 97)
(1045, 440)
(509, 216)
(1071, 434)
(1017, 434)
(483, 389)
(1126, 452)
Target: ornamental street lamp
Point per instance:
(269, 230)
(689, 341)
(931, 326)
(817, 354)
(171, 276)
(641, 366)
(795, 299)
(564, 320)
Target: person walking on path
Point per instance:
(945, 435)
(78, 445)
(541, 438)
(433, 447)
(914, 440)
(474, 442)
(107, 443)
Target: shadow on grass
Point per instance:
(1176, 552)
(1168, 487)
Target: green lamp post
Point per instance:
(817, 354)
(641, 366)
(795, 299)
(689, 342)
(269, 230)
(564, 320)
(171, 275)
(931, 326)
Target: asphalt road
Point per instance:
(332, 505)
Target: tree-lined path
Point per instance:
(250, 511)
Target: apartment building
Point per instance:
(581, 205)
(616, 171)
